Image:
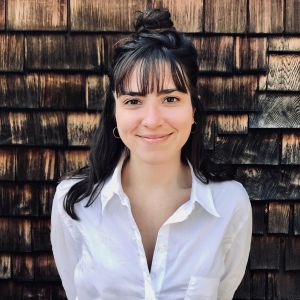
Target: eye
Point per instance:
(132, 102)
(171, 99)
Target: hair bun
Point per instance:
(156, 19)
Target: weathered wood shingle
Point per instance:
(12, 52)
(59, 52)
(219, 58)
(114, 15)
(36, 15)
(226, 16)
(292, 16)
(266, 16)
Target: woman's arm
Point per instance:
(236, 258)
(64, 247)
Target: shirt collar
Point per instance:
(200, 193)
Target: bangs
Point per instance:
(152, 67)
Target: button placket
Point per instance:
(159, 260)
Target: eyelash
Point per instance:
(170, 97)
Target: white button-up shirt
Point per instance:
(201, 251)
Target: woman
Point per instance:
(151, 217)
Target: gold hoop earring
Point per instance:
(117, 137)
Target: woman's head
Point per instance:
(154, 58)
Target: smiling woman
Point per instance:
(151, 217)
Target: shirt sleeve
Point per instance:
(64, 246)
(236, 258)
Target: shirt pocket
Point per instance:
(202, 288)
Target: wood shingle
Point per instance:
(2, 14)
(250, 54)
(36, 15)
(292, 16)
(12, 45)
(266, 16)
(219, 58)
(226, 16)
(278, 218)
(114, 15)
(276, 111)
(59, 52)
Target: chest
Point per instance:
(150, 217)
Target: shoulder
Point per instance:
(62, 189)
(230, 198)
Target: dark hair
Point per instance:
(155, 40)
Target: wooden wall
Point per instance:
(53, 60)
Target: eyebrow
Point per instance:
(131, 93)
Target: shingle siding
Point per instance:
(54, 60)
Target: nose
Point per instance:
(152, 116)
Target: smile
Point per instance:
(154, 139)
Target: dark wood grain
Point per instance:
(15, 235)
(234, 93)
(45, 268)
(22, 128)
(17, 199)
(265, 253)
(14, 92)
(71, 160)
(36, 15)
(5, 266)
(12, 52)
(97, 87)
(254, 148)
(259, 212)
(292, 254)
(283, 286)
(259, 285)
(271, 183)
(219, 58)
(7, 164)
(57, 91)
(276, 111)
(291, 148)
(45, 194)
(2, 14)
(284, 72)
(80, 127)
(297, 218)
(41, 235)
(23, 268)
(292, 16)
(250, 54)
(50, 128)
(232, 124)
(59, 52)
(111, 15)
(266, 16)
(225, 16)
(278, 218)
(36, 164)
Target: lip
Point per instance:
(154, 138)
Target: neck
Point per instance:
(168, 176)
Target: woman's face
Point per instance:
(155, 126)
